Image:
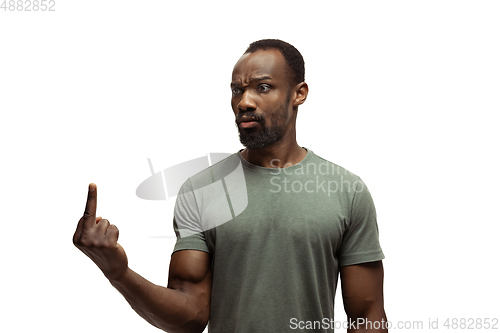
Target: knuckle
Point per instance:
(88, 213)
(115, 230)
(97, 244)
(85, 242)
(88, 242)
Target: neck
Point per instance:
(281, 154)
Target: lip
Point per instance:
(248, 124)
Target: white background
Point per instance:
(402, 93)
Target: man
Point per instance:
(262, 254)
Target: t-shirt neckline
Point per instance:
(256, 168)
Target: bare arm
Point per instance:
(181, 307)
(363, 296)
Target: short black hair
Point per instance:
(292, 56)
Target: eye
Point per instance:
(263, 87)
(236, 90)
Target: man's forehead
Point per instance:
(261, 63)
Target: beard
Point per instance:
(259, 138)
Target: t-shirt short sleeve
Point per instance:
(187, 226)
(360, 242)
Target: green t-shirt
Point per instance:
(277, 238)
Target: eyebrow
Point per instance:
(260, 78)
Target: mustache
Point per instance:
(249, 117)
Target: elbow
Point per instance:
(364, 308)
(195, 322)
(368, 315)
(190, 327)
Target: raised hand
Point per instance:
(99, 240)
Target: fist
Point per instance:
(98, 239)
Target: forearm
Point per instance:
(165, 308)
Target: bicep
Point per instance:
(190, 272)
(362, 288)
(189, 267)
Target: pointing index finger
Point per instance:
(90, 207)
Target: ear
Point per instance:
(301, 91)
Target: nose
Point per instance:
(247, 103)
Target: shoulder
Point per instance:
(323, 165)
